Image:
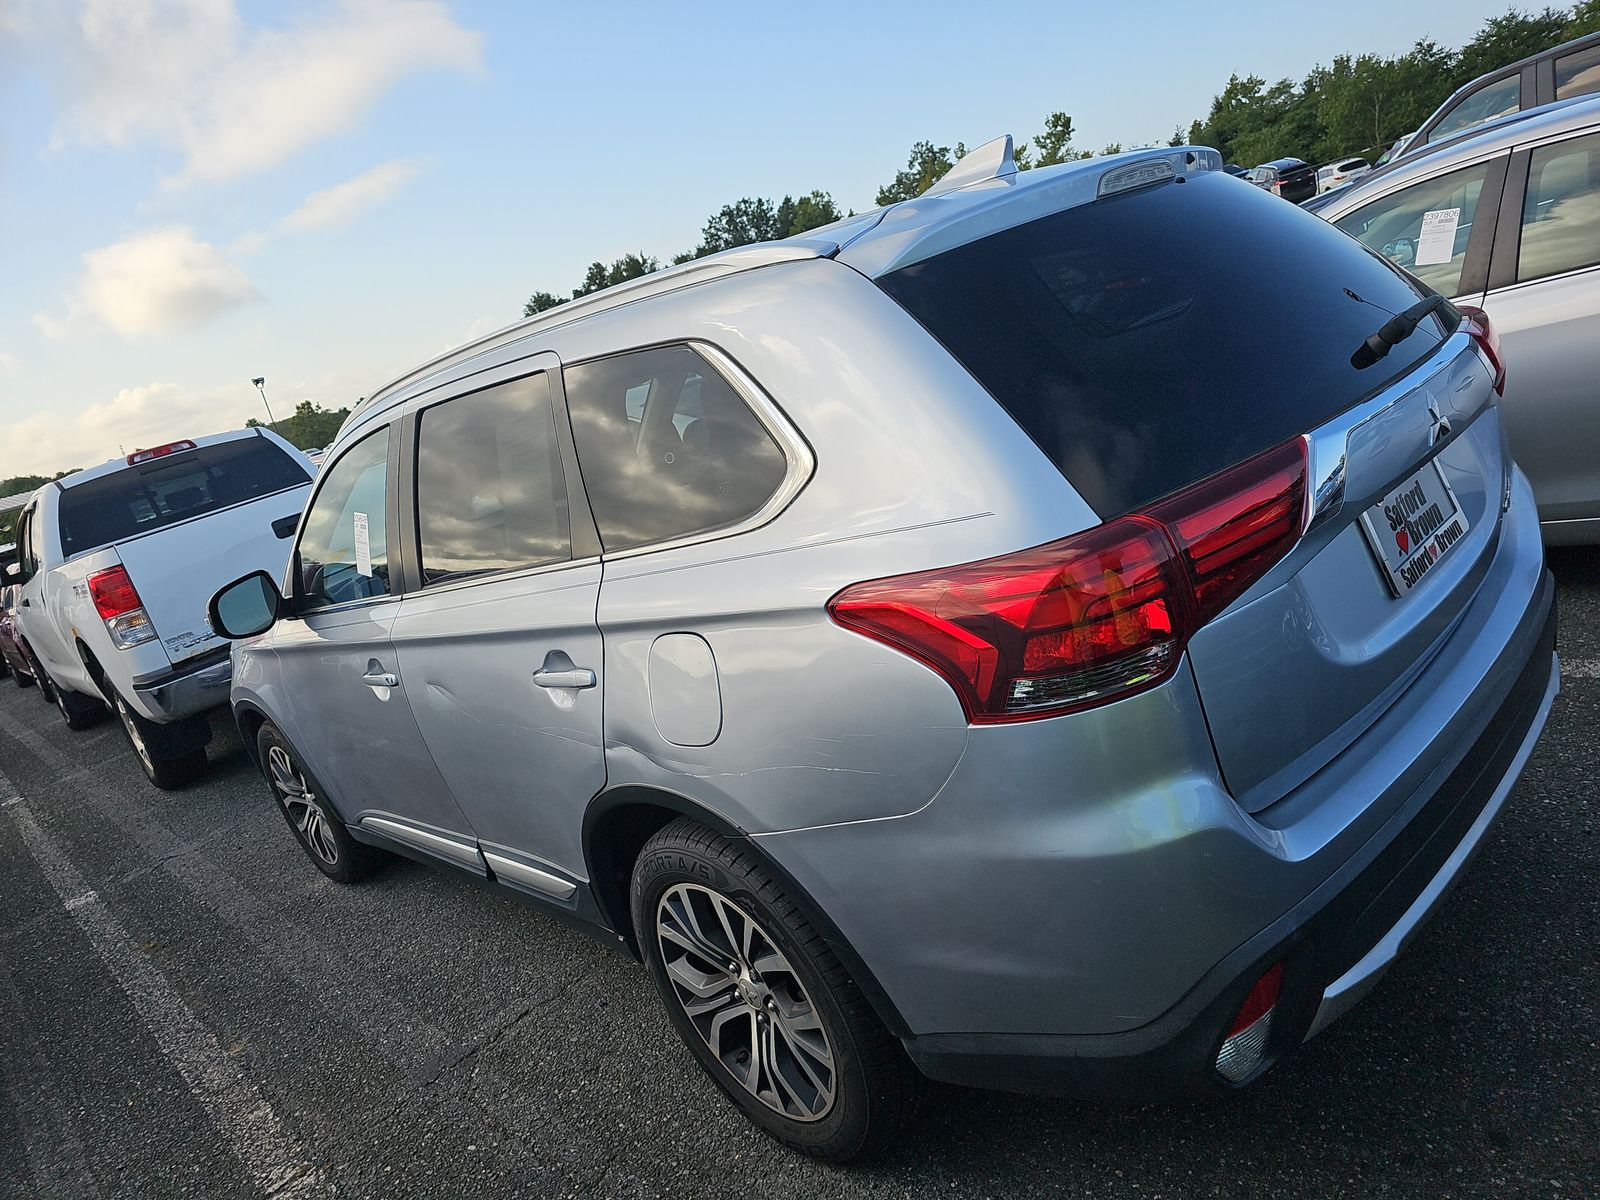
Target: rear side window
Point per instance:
(667, 447)
(1150, 339)
(1488, 102)
(1561, 209)
(166, 490)
(1578, 73)
(491, 495)
(1392, 225)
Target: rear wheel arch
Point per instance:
(96, 673)
(616, 827)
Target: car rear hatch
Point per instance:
(1150, 340)
(187, 522)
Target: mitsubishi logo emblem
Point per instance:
(1439, 427)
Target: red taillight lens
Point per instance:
(141, 456)
(112, 592)
(1476, 322)
(1232, 527)
(1096, 616)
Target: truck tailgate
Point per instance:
(176, 570)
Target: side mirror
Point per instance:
(245, 607)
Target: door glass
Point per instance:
(668, 448)
(1494, 100)
(1578, 74)
(343, 551)
(1561, 210)
(1392, 225)
(491, 495)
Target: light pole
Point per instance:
(261, 386)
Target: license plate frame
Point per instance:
(1428, 536)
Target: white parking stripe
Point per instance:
(272, 1155)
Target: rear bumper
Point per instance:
(1335, 945)
(186, 691)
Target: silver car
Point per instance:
(1509, 221)
(1022, 635)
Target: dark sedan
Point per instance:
(1292, 178)
(10, 646)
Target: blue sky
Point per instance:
(195, 192)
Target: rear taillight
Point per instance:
(1095, 617)
(1476, 322)
(1245, 1046)
(119, 606)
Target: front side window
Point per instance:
(1561, 209)
(491, 495)
(1578, 74)
(1425, 227)
(1494, 100)
(667, 447)
(344, 549)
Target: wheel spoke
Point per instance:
(701, 984)
(686, 932)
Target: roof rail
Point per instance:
(992, 160)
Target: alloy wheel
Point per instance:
(301, 803)
(746, 1001)
(134, 736)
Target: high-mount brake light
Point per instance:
(1136, 175)
(1097, 616)
(142, 456)
(119, 606)
(1476, 322)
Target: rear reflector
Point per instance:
(1476, 322)
(1246, 1043)
(1097, 616)
(120, 607)
(139, 456)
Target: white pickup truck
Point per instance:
(116, 565)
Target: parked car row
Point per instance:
(1090, 722)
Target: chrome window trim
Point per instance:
(801, 464)
(483, 577)
(1410, 181)
(1327, 446)
(1506, 289)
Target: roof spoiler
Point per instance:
(992, 160)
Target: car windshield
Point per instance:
(173, 488)
(1150, 339)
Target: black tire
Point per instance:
(22, 680)
(47, 689)
(77, 710)
(873, 1083)
(305, 807)
(163, 765)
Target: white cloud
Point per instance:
(47, 442)
(8, 361)
(343, 202)
(233, 101)
(153, 282)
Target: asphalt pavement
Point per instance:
(187, 1008)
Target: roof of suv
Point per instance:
(1564, 116)
(984, 193)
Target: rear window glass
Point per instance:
(166, 490)
(1150, 339)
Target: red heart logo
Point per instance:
(1402, 538)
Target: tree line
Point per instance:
(1358, 105)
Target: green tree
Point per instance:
(811, 211)
(541, 302)
(629, 266)
(1506, 38)
(1052, 146)
(18, 485)
(926, 165)
(752, 219)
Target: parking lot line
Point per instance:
(271, 1154)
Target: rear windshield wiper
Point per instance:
(1394, 331)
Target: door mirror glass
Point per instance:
(246, 606)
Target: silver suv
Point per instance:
(1023, 634)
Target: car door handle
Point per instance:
(578, 677)
(386, 679)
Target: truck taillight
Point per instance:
(1099, 615)
(119, 606)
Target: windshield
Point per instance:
(171, 489)
(1151, 339)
